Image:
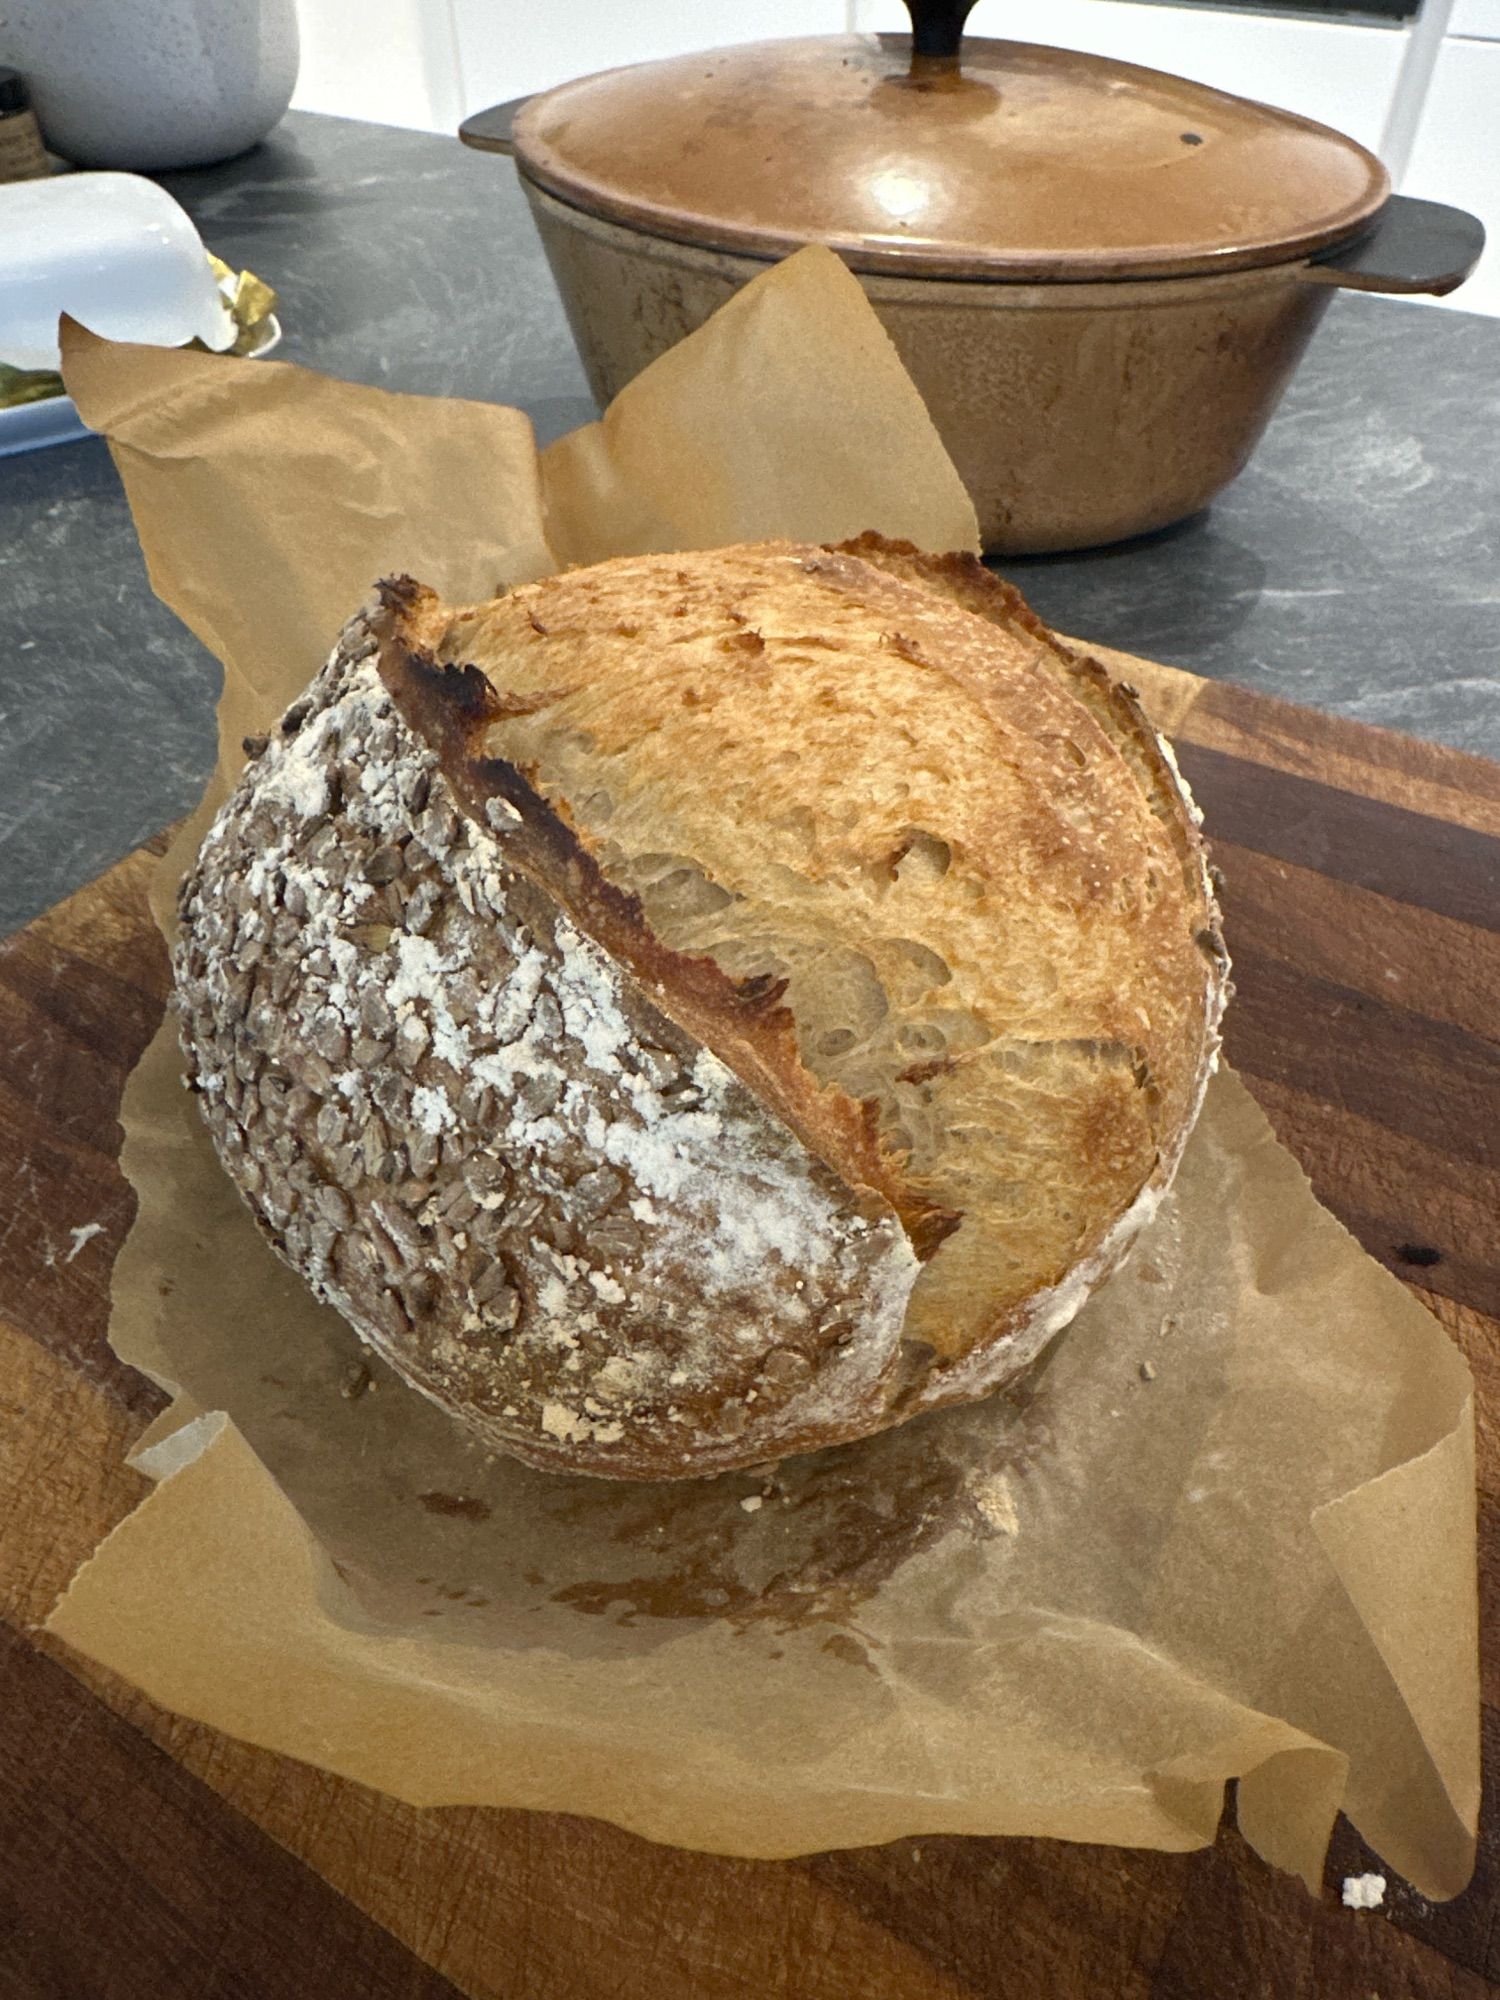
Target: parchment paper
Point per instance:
(1225, 1529)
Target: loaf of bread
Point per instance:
(702, 1008)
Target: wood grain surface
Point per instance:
(146, 1857)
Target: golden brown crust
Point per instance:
(1069, 808)
(964, 578)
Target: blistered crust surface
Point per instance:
(871, 781)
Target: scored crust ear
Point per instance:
(742, 1022)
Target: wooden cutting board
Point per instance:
(146, 1858)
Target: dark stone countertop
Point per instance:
(1355, 566)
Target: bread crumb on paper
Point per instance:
(83, 1234)
(1364, 1892)
(994, 1499)
(355, 1382)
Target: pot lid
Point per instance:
(1009, 161)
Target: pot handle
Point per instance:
(1414, 246)
(490, 131)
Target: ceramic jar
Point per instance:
(150, 85)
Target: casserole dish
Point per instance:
(1100, 277)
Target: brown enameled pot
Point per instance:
(1099, 277)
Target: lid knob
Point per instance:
(937, 27)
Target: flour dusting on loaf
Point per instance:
(600, 996)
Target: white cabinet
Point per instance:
(391, 61)
(429, 63)
(1457, 158)
(1341, 73)
(1478, 18)
(507, 48)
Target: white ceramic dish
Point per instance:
(113, 250)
